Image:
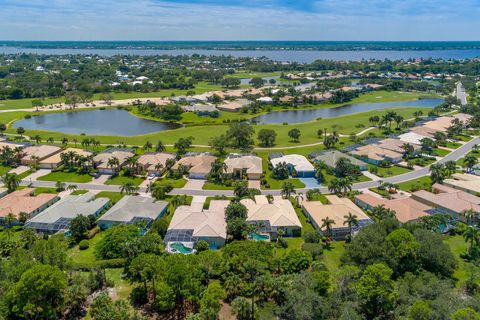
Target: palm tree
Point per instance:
(327, 224)
(11, 181)
(470, 161)
(160, 147)
(470, 216)
(72, 187)
(113, 163)
(351, 220)
(472, 235)
(10, 218)
(128, 188)
(75, 141)
(437, 173)
(147, 145)
(60, 186)
(64, 141)
(381, 212)
(37, 139)
(287, 189)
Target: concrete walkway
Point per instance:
(39, 173)
(194, 184)
(20, 169)
(371, 176)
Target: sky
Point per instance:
(394, 20)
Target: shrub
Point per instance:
(139, 296)
(201, 245)
(311, 237)
(315, 249)
(84, 245)
(282, 243)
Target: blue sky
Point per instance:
(240, 20)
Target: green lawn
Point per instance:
(88, 255)
(79, 192)
(176, 183)
(45, 190)
(4, 169)
(121, 179)
(215, 186)
(389, 172)
(206, 204)
(417, 184)
(122, 287)
(25, 174)
(327, 177)
(331, 256)
(458, 246)
(113, 196)
(66, 177)
(441, 152)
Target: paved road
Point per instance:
(454, 156)
(461, 94)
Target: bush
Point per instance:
(315, 249)
(201, 245)
(83, 245)
(282, 243)
(139, 296)
(311, 237)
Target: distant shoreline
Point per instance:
(251, 45)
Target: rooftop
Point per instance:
(150, 160)
(200, 163)
(252, 164)
(448, 198)
(336, 210)
(23, 201)
(202, 223)
(130, 207)
(41, 151)
(299, 162)
(406, 209)
(66, 209)
(331, 157)
(279, 213)
(56, 158)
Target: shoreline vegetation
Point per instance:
(250, 45)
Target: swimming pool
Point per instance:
(180, 248)
(259, 237)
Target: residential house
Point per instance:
(465, 182)
(406, 209)
(57, 217)
(244, 165)
(154, 163)
(199, 164)
(101, 159)
(272, 217)
(233, 106)
(449, 201)
(298, 165)
(132, 210)
(331, 157)
(24, 201)
(190, 224)
(56, 160)
(336, 210)
(36, 153)
(375, 155)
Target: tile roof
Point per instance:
(201, 163)
(299, 162)
(252, 164)
(130, 207)
(279, 213)
(23, 201)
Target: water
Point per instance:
(259, 237)
(300, 116)
(299, 56)
(111, 122)
(180, 248)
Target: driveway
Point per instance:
(101, 179)
(194, 184)
(254, 184)
(19, 170)
(39, 173)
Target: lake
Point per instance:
(109, 122)
(299, 56)
(301, 116)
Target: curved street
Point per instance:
(452, 156)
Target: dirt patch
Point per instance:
(226, 312)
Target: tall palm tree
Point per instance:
(147, 145)
(128, 188)
(11, 181)
(472, 235)
(351, 220)
(113, 163)
(160, 147)
(470, 216)
(72, 187)
(287, 189)
(470, 161)
(327, 223)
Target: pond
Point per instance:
(301, 116)
(109, 122)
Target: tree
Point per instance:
(281, 171)
(330, 141)
(183, 144)
(201, 245)
(427, 145)
(351, 220)
(470, 161)
(104, 308)
(257, 82)
(36, 103)
(438, 173)
(472, 236)
(376, 289)
(111, 246)
(106, 98)
(294, 134)
(402, 249)
(219, 144)
(465, 314)
(287, 189)
(240, 135)
(128, 187)
(160, 190)
(267, 137)
(79, 226)
(20, 131)
(148, 145)
(210, 304)
(3, 127)
(160, 147)
(295, 261)
(381, 212)
(39, 294)
(11, 181)
(327, 224)
(240, 189)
